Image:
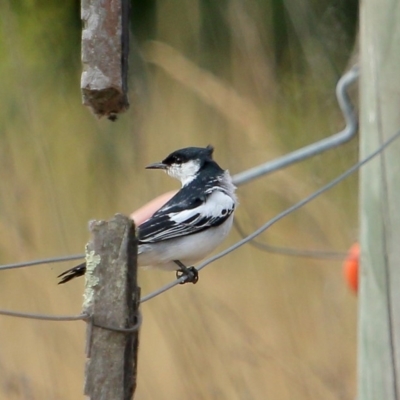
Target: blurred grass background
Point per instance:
(256, 79)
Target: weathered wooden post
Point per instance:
(379, 307)
(112, 300)
(105, 48)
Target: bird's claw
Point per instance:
(190, 275)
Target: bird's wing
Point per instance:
(185, 215)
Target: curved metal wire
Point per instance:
(43, 261)
(318, 147)
(298, 155)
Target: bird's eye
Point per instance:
(178, 160)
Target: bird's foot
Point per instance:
(190, 274)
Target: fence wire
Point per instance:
(43, 261)
(239, 179)
(247, 176)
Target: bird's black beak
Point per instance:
(157, 165)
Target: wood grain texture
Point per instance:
(379, 308)
(112, 299)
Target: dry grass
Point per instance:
(257, 326)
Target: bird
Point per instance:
(192, 223)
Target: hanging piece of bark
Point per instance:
(105, 48)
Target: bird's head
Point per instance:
(185, 164)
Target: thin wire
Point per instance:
(351, 124)
(277, 218)
(291, 252)
(162, 289)
(44, 317)
(43, 261)
(134, 328)
(318, 147)
(80, 317)
(298, 155)
(335, 140)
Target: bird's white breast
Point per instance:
(187, 249)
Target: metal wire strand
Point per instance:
(318, 147)
(351, 124)
(44, 317)
(79, 317)
(134, 328)
(288, 251)
(298, 155)
(43, 261)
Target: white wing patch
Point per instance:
(214, 207)
(213, 212)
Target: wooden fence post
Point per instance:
(379, 301)
(111, 298)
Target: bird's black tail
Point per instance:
(72, 273)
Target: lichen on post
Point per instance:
(111, 300)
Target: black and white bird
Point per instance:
(192, 223)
